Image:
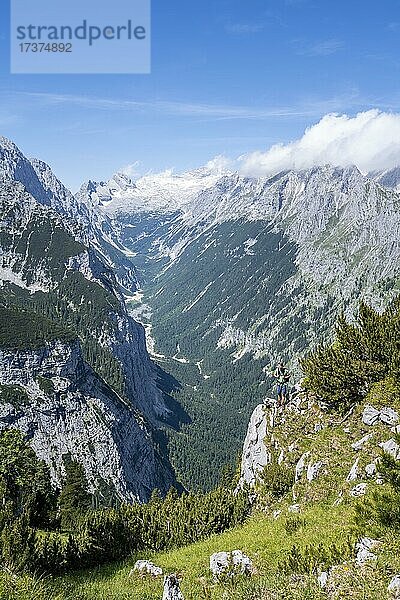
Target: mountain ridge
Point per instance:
(48, 271)
(256, 271)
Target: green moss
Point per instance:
(46, 385)
(13, 394)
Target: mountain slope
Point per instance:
(82, 219)
(68, 412)
(248, 271)
(48, 271)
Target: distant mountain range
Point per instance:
(227, 274)
(237, 273)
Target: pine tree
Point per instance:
(362, 354)
(74, 500)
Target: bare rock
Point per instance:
(370, 415)
(370, 469)
(301, 466)
(353, 471)
(359, 490)
(313, 470)
(147, 567)
(171, 588)
(231, 563)
(358, 445)
(364, 547)
(389, 416)
(391, 447)
(394, 587)
(255, 455)
(323, 579)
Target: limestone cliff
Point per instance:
(67, 410)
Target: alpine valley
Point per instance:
(140, 325)
(235, 273)
(226, 274)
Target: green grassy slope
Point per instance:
(267, 542)
(263, 538)
(326, 517)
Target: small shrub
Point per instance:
(277, 480)
(313, 558)
(14, 395)
(381, 509)
(46, 385)
(293, 524)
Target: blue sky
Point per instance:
(228, 77)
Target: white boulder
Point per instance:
(364, 547)
(147, 567)
(359, 490)
(394, 587)
(323, 579)
(391, 447)
(301, 464)
(353, 471)
(231, 563)
(370, 415)
(389, 416)
(171, 588)
(370, 469)
(358, 445)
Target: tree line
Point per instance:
(47, 530)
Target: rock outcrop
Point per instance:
(255, 455)
(145, 567)
(231, 563)
(66, 410)
(172, 589)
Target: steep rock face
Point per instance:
(66, 410)
(52, 266)
(255, 456)
(39, 254)
(81, 219)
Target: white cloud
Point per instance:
(370, 140)
(219, 165)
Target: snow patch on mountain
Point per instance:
(159, 192)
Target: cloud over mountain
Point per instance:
(370, 140)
